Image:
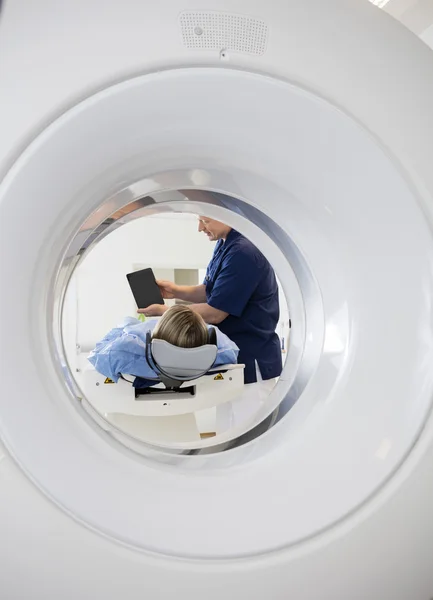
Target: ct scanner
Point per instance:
(313, 121)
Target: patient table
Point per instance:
(166, 411)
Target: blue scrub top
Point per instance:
(240, 281)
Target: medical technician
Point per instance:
(239, 295)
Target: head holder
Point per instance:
(176, 365)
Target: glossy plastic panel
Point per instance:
(380, 374)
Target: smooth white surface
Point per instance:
(179, 428)
(255, 506)
(362, 297)
(120, 396)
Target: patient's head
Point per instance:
(182, 327)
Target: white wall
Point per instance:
(103, 293)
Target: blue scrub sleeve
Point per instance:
(235, 283)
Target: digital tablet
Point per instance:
(144, 288)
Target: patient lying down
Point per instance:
(123, 349)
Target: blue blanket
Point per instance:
(123, 350)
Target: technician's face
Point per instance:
(215, 230)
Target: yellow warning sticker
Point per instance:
(218, 377)
(108, 380)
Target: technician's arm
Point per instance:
(190, 293)
(211, 315)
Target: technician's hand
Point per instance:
(154, 310)
(168, 289)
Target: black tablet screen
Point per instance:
(144, 288)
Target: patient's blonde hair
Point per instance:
(182, 327)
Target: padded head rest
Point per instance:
(183, 363)
(212, 337)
